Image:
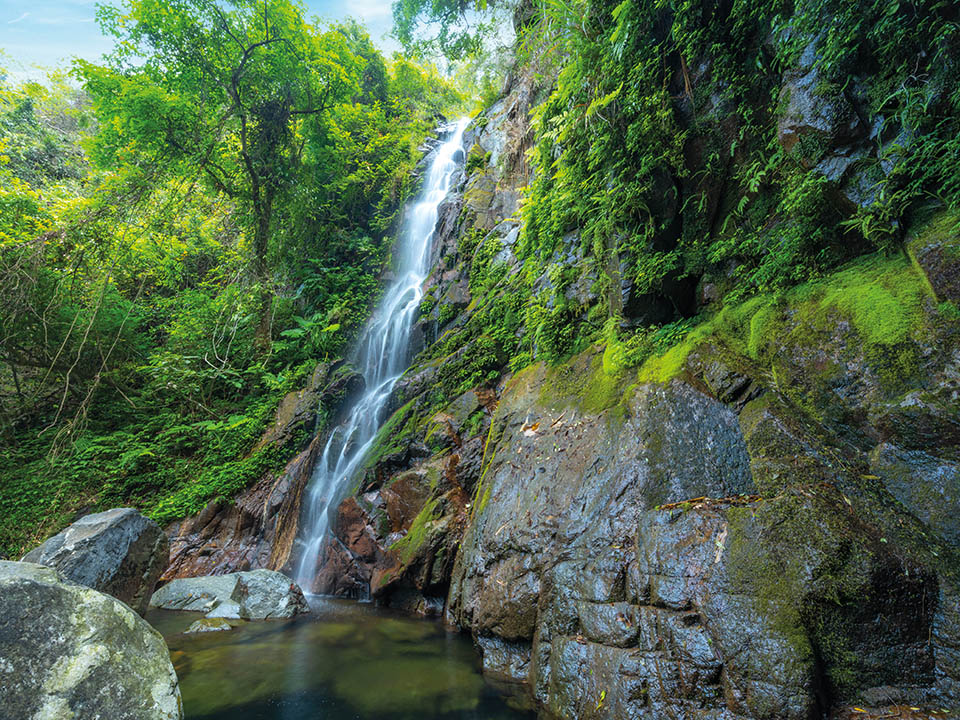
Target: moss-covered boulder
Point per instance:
(67, 651)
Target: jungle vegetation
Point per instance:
(186, 229)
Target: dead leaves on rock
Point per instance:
(703, 502)
(531, 429)
(891, 712)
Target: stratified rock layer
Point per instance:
(119, 552)
(67, 651)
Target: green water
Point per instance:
(347, 660)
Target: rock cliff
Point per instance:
(759, 523)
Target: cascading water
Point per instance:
(382, 358)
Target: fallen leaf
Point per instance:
(721, 538)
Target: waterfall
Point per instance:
(382, 358)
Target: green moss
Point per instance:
(883, 298)
(942, 228)
(590, 381)
(663, 368)
(477, 159)
(776, 583)
(409, 545)
(395, 434)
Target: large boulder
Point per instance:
(540, 579)
(119, 552)
(253, 595)
(67, 651)
(597, 571)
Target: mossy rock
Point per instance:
(935, 250)
(806, 600)
(783, 451)
(588, 381)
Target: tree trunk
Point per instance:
(261, 272)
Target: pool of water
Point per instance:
(345, 660)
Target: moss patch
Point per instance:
(591, 381)
(393, 437)
(409, 545)
(884, 299)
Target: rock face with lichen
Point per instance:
(67, 651)
(119, 552)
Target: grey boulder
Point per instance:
(67, 651)
(250, 595)
(119, 552)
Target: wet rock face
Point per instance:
(542, 576)
(597, 570)
(67, 651)
(258, 529)
(790, 592)
(119, 552)
(822, 119)
(929, 486)
(254, 595)
(355, 562)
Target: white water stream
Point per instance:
(383, 354)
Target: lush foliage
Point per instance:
(231, 164)
(458, 26)
(662, 141)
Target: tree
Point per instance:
(458, 34)
(223, 89)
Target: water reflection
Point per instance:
(346, 661)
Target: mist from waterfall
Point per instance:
(383, 356)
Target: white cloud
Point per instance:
(62, 20)
(370, 9)
(22, 17)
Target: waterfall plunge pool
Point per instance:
(344, 660)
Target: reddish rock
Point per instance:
(259, 528)
(354, 561)
(404, 498)
(257, 531)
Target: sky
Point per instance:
(47, 33)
